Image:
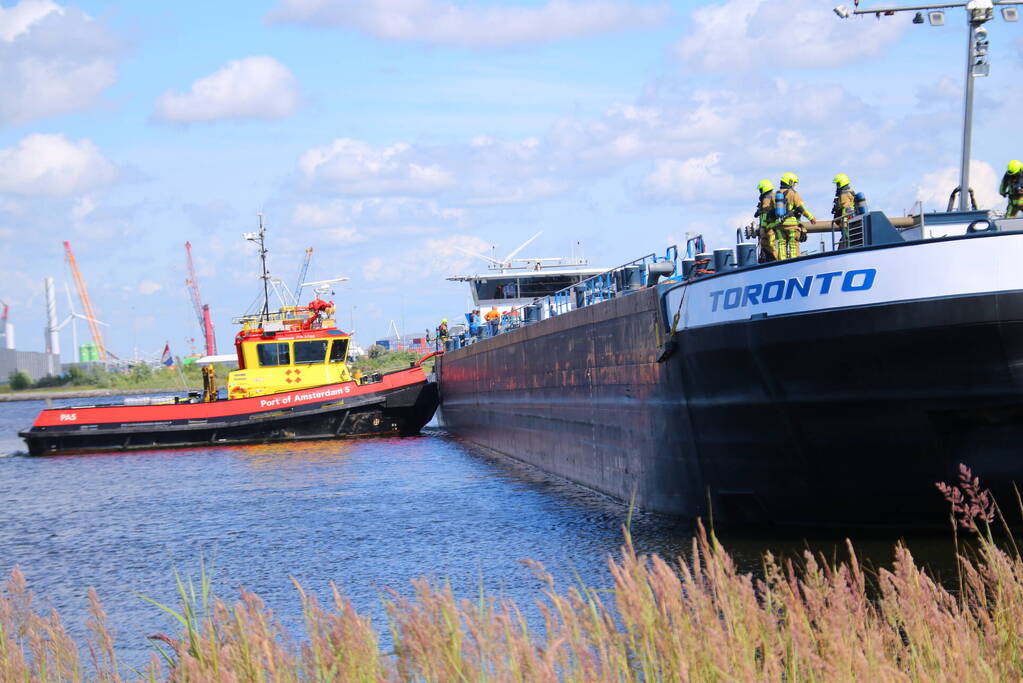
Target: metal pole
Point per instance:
(265, 315)
(964, 167)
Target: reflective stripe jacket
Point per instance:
(845, 202)
(765, 211)
(1012, 185)
(795, 207)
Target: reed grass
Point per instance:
(695, 619)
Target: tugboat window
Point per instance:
(338, 351)
(273, 354)
(310, 351)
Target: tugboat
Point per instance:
(292, 383)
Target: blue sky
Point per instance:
(387, 133)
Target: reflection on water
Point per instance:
(362, 513)
(298, 454)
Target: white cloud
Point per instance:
(52, 60)
(768, 35)
(493, 25)
(250, 88)
(353, 220)
(429, 258)
(149, 287)
(17, 20)
(694, 179)
(935, 188)
(354, 167)
(84, 206)
(52, 165)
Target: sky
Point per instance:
(392, 135)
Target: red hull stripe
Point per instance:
(55, 417)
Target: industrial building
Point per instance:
(35, 363)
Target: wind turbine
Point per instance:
(72, 317)
(507, 261)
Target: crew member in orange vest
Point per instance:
(493, 319)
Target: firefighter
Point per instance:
(765, 216)
(1012, 188)
(844, 206)
(788, 210)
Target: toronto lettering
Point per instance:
(821, 284)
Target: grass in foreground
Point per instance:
(700, 619)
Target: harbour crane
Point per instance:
(83, 295)
(202, 311)
(73, 317)
(302, 273)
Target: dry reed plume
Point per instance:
(699, 620)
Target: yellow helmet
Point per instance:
(765, 185)
(841, 180)
(1015, 166)
(789, 179)
(443, 320)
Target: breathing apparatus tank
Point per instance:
(780, 205)
(861, 203)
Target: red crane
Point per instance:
(86, 303)
(202, 311)
(3, 325)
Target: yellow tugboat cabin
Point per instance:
(296, 347)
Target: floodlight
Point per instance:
(918, 18)
(842, 11)
(250, 236)
(1010, 14)
(936, 17)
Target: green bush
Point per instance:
(19, 380)
(77, 376)
(51, 381)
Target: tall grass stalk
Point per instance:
(695, 619)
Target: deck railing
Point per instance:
(627, 278)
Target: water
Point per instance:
(366, 514)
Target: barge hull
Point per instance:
(840, 417)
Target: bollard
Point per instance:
(632, 278)
(724, 259)
(746, 254)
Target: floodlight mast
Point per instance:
(978, 12)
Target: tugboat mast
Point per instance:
(260, 239)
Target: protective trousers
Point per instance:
(788, 241)
(768, 245)
(1014, 207)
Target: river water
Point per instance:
(366, 514)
